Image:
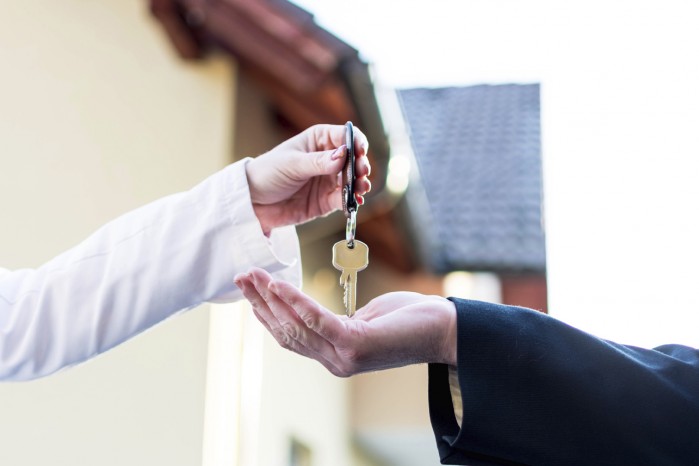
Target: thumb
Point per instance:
(327, 162)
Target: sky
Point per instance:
(620, 134)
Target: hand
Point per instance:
(300, 179)
(393, 330)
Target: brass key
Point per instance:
(350, 261)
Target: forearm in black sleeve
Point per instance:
(536, 391)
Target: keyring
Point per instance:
(351, 230)
(349, 200)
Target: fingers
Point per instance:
(284, 323)
(259, 306)
(264, 314)
(316, 318)
(362, 166)
(361, 187)
(331, 162)
(328, 137)
(328, 162)
(328, 157)
(322, 163)
(330, 336)
(288, 328)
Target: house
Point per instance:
(473, 224)
(109, 105)
(478, 149)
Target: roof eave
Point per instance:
(309, 75)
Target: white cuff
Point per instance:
(279, 254)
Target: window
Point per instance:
(299, 454)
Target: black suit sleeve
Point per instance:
(536, 391)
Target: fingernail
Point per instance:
(339, 153)
(360, 199)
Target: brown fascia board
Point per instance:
(264, 48)
(311, 75)
(296, 27)
(172, 16)
(327, 104)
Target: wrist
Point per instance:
(259, 210)
(449, 345)
(250, 175)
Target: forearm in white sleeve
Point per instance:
(137, 270)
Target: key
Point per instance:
(349, 261)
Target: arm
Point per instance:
(534, 390)
(170, 255)
(537, 391)
(134, 272)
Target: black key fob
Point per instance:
(349, 200)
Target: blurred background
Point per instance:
(528, 152)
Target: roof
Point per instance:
(309, 75)
(478, 151)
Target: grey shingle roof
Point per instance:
(478, 151)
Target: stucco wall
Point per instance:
(98, 116)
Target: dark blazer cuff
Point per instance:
(541, 392)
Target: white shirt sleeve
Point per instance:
(168, 256)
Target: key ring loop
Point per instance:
(351, 230)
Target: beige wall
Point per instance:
(98, 116)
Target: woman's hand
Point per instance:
(300, 179)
